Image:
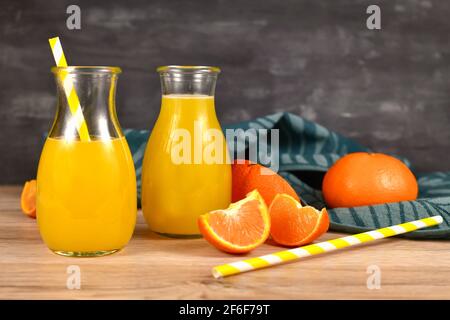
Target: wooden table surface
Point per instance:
(153, 267)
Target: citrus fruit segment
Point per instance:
(360, 179)
(248, 176)
(295, 225)
(240, 228)
(28, 198)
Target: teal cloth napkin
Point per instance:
(307, 150)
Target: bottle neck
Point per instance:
(92, 91)
(188, 80)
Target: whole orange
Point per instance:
(249, 176)
(360, 179)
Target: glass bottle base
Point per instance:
(179, 236)
(86, 254)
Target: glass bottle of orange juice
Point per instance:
(186, 170)
(86, 183)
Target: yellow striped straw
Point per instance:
(72, 97)
(315, 249)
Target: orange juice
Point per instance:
(174, 194)
(86, 195)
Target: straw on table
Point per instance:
(72, 97)
(315, 249)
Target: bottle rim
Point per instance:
(87, 69)
(188, 69)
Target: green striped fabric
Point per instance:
(307, 150)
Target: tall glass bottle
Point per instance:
(186, 170)
(86, 183)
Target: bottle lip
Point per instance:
(87, 69)
(188, 69)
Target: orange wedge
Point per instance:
(293, 224)
(240, 228)
(28, 198)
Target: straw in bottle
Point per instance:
(72, 97)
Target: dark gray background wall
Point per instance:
(388, 89)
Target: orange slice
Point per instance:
(28, 199)
(293, 224)
(240, 228)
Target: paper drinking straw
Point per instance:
(72, 97)
(315, 249)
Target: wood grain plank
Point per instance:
(153, 267)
